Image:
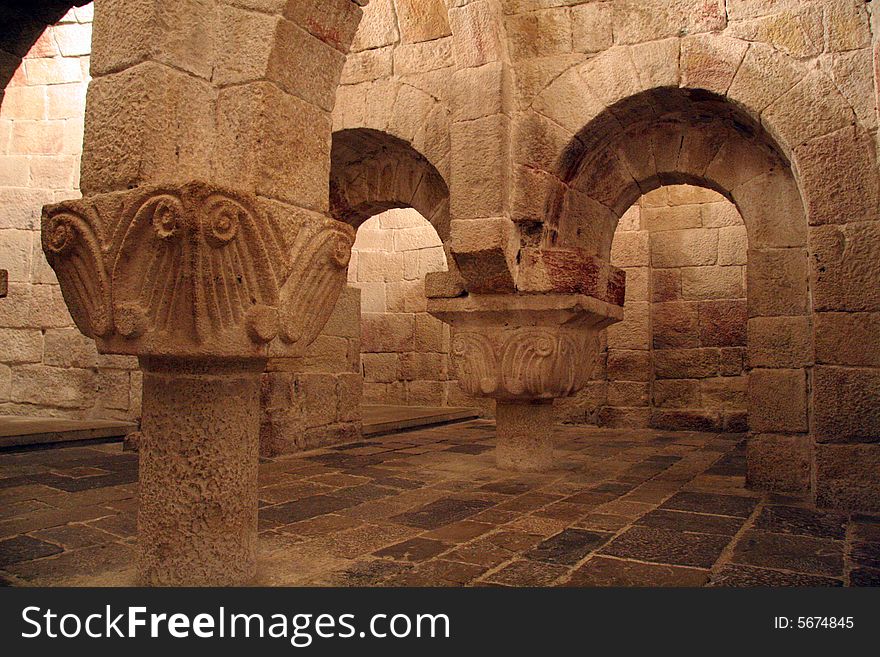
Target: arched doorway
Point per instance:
(672, 136)
(678, 360)
(404, 350)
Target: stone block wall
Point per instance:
(46, 366)
(315, 400)
(405, 357)
(678, 360)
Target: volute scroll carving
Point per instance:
(524, 363)
(524, 348)
(72, 239)
(196, 270)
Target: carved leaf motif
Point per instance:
(193, 264)
(239, 271)
(73, 248)
(475, 362)
(537, 362)
(319, 263)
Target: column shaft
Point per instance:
(525, 435)
(197, 519)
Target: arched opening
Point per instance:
(404, 351)
(380, 350)
(678, 360)
(25, 25)
(373, 171)
(668, 137)
(399, 203)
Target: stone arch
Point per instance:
(22, 26)
(771, 134)
(412, 115)
(373, 171)
(697, 138)
(790, 108)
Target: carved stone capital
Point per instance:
(196, 271)
(524, 348)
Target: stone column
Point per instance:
(204, 284)
(197, 518)
(525, 435)
(524, 350)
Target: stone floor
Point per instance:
(428, 507)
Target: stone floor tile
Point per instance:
(803, 522)
(867, 530)
(415, 549)
(293, 490)
(439, 572)
(122, 525)
(320, 525)
(441, 512)
(866, 554)
(568, 547)
(604, 571)
(746, 576)
(529, 502)
(25, 548)
(365, 539)
(480, 552)
(864, 577)
(562, 511)
(508, 487)
(603, 522)
(100, 565)
(308, 507)
(797, 553)
(74, 536)
(527, 573)
(459, 532)
(684, 521)
(668, 546)
(588, 499)
(722, 505)
(363, 574)
(514, 541)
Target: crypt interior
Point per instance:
(440, 293)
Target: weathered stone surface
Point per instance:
(148, 124)
(204, 533)
(844, 338)
(846, 476)
(686, 363)
(777, 282)
(686, 420)
(675, 325)
(846, 404)
(729, 392)
(685, 248)
(710, 62)
(723, 323)
(840, 184)
(699, 283)
(677, 393)
(772, 207)
(636, 21)
(485, 251)
(845, 263)
(634, 332)
(778, 401)
(629, 365)
(780, 342)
